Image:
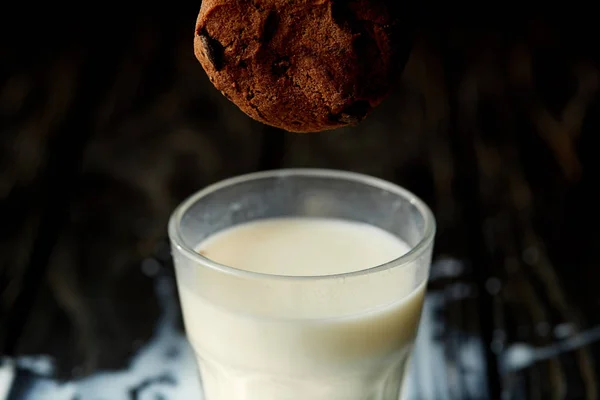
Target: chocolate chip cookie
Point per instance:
(302, 65)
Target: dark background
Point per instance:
(107, 122)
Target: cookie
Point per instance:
(302, 65)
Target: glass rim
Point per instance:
(175, 234)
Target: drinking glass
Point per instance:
(347, 336)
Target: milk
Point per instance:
(254, 347)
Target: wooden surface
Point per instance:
(108, 122)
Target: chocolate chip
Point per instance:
(213, 49)
(343, 16)
(271, 26)
(353, 114)
(365, 46)
(348, 119)
(280, 66)
(228, 97)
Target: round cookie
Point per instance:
(302, 65)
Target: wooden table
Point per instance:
(108, 122)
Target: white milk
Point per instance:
(257, 356)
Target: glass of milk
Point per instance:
(302, 284)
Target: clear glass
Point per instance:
(354, 335)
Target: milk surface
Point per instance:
(291, 356)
